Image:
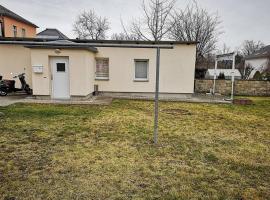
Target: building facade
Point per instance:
(13, 25)
(74, 69)
(258, 61)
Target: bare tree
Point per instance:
(240, 64)
(247, 72)
(90, 26)
(123, 36)
(196, 24)
(247, 48)
(250, 46)
(224, 49)
(154, 25)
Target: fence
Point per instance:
(241, 87)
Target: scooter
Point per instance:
(2, 93)
(8, 86)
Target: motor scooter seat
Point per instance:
(9, 83)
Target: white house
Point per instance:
(210, 74)
(258, 60)
(65, 69)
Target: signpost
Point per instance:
(224, 57)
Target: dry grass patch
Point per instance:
(105, 152)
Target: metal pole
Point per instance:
(156, 97)
(215, 77)
(233, 67)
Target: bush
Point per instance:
(257, 76)
(221, 76)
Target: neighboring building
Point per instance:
(67, 69)
(52, 33)
(258, 61)
(13, 25)
(210, 74)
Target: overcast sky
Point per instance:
(241, 19)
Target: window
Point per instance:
(60, 67)
(141, 70)
(23, 33)
(1, 29)
(15, 31)
(102, 68)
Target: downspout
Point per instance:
(3, 25)
(1, 21)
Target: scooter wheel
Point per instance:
(29, 91)
(2, 93)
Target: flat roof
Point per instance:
(90, 45)
(77, 47)
(134, 42)
(15, 40)
(61, 44)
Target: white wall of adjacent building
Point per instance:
(14, 60)
(257, 63)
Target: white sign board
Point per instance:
(38, 69)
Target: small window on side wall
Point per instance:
(141, 70)
(23, 33)
(102, 68)
(15, 31)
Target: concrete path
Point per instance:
(102, 100)
(195, 98)
(90, 101)
(9, 100)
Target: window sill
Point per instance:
(141, 80)
(102, 79)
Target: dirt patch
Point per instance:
(176, 112)
(243, 102)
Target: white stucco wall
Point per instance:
(258, 64)
(15, 59)
(176, 70)
(81, 63)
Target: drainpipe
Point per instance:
(3, 25)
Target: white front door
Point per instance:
(60, 78)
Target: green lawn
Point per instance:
(205, 151)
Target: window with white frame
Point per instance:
(102, 68)
(15, 31)
(141, 70)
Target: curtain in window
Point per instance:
(102, 68)
(141, 70)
